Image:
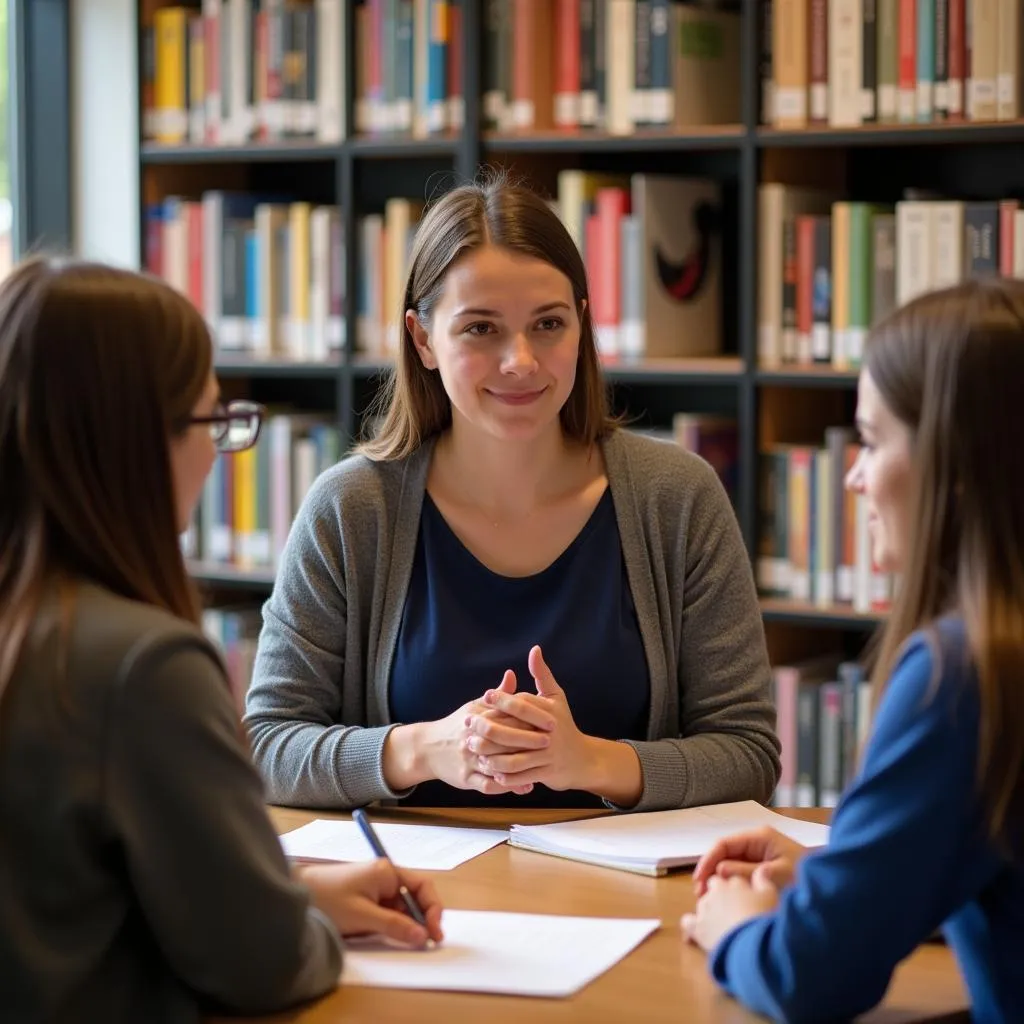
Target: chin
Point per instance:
(522, 429)
(884, 559)
(184, 520)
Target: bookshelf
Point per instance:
(777, 404)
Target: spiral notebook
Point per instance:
(656, 842)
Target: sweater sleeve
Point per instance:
(727, 748)
(903, 853)
(186, 808)
(309, 756)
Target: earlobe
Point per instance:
(420, 339)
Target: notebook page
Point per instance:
(657, 835)
(421, 847)
(512, 954)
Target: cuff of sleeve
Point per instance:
(665, 776)
(363, 781)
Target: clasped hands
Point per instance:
(739, 878)
(508, 741)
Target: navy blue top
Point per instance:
(908, 852)
(464, 625)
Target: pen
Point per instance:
(415, 912)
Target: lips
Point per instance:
(517, 397)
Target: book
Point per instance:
(657, 842)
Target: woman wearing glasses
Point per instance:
(140, 877)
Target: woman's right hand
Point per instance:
(450, 751)
(364, 899)
(769, 853)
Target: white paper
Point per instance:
(421, 847)
(512, 954)
(668, 835)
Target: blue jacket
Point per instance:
(908, 853)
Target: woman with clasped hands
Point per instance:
(930, 833)
(504, 597)
(141, 877)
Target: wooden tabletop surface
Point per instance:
(662, 980)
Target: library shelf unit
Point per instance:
(780, 404)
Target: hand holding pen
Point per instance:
(410, 892)
(376, 898)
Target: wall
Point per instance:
(105, 147)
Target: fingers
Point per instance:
(761, 880)
(743, 846)
(434, 929)
(530, 778)
(494, 787)
(512, 764)
(484, 748)
(688, 923)
(429, 901)
(393, 924)
(506, 735)
(508, 682)
(736, 869)
(523, 706)
(546, 684)
(778, 872)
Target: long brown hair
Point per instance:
(99, 368)
(413, 404)
(950, 365)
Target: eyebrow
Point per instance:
(547, 307)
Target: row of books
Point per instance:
(269, 276)
(830, 269)
(813, 540)
(851, 62)
(823, 710)
(250, 498)
(614, 65)
(652, 245)
(269, 273)
(408, 67)
(233, 71)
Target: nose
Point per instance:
(518, 357)
(855, 477)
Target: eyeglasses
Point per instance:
(235, 426)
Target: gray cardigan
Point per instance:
(317, 709)
(140, 877)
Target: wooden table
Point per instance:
(663, 980)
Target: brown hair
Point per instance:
(413, 403)
(99, 367)
(950, 365)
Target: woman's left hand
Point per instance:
(728, 903)
(566, 763)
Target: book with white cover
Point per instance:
(656, 842)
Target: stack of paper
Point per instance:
(654, 843)
(514, 954)
(421, 847)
